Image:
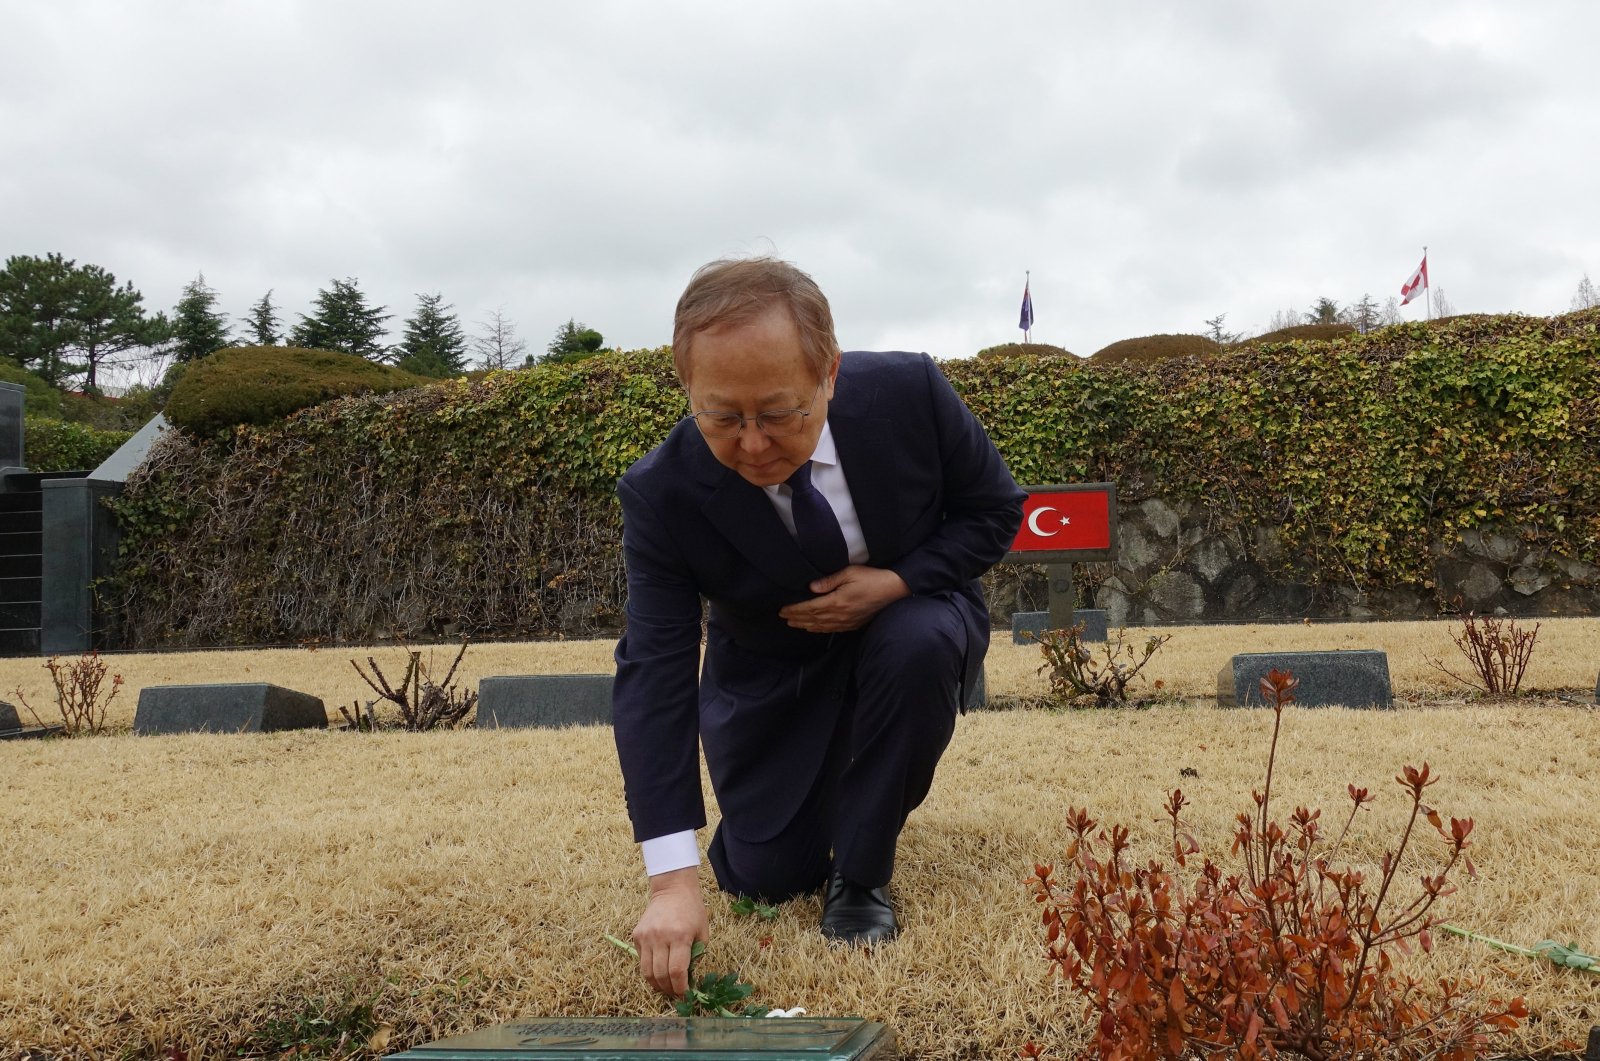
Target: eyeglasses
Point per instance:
(774, 423)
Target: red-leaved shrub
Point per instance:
(1290, 956)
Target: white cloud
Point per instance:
(1152, 164)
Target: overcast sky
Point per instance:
(1153, 164)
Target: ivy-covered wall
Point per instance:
(487, 507)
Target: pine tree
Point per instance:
(109, 320)
(261, 326)
(1219, 335)
(434, 344)
(343, 321)
(1365, 314)
(63, 320)
(197, 327)
(1325, 311)
(574, 341)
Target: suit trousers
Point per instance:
(900, 678)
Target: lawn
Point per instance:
(224, 893)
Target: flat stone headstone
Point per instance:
(1340, 678)
(544, 701)
(1023, 624)
(12, 727)
(243, 707)
(679, 1038)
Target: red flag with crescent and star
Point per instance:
(1069, 519)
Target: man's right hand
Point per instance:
(674, 920)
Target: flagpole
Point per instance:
(1427, 306)
(1027, 287)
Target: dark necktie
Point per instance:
(816, 528)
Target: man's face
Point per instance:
(751, 368)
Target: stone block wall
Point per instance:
(1177, 564)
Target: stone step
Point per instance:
(21, 565)
(22, 522)
(23, 542)
(23, 614)
(20, 642)
(22, 589)
(22, 501)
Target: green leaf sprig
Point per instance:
(715, 995)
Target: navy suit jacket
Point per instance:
(937, 506)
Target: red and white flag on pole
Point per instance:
(1417, 284)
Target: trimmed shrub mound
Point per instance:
(1156, 348)
(1028, 349)
(261, 384)
(1301, 332)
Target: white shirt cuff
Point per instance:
(663, 854)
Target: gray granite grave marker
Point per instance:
(245, 707)
(1346, 677)
(12, 727)
(544, 700)
(678, 1038)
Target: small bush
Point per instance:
(262, 384)
(1156, 348)
(1497, 651)
(42, 399)
(1302, 332)
(1029, 349)
(424, 704)
(1075, 673)
(1289, 955)
(79, 686)
(59, 446)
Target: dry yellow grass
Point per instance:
(180, 891)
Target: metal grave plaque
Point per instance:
(675, 1038)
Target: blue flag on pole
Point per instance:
(1026, 323)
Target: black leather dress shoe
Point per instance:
(855, 914)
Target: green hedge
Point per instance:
(486, 507)
(1155, 348)
(58, 446)
(263, 384)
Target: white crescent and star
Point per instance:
(1033, 521)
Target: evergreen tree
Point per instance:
(343, 321)
(197, 327)
(496, 342)
(36, 328)
(574, 341)
(1217, 334)
(261, 326)
(63, 320)
(434, 344)
(110, 321)
(1365, 314)
(1325, 311)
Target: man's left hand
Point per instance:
(846, 600)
